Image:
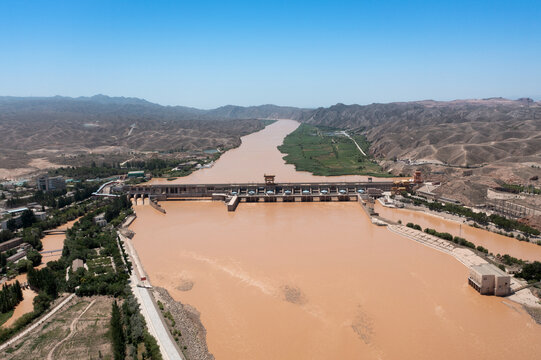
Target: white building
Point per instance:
(488, 279)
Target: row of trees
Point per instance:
(480, 217)
(56, 199)
(10, 296)
(90, 172)
(531, 272)
(44, 280)
(128, 330)
(117, 334)
(519, 188)
(106, 170)
(152, 164)
(446, 236)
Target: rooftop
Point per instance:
(14, 211)
(489, 269)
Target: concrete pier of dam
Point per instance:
(233, 194)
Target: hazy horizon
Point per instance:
(303, 54)
(262, 104)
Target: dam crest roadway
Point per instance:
(268, 191)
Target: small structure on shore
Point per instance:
(77, 264)
(100, 220)
(488, 279)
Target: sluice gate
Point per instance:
(233, 194)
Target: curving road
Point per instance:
(71, 333)
(149, 309)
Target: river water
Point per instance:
(258, 155)
(317, 280)
(495, 243)
(50, 242)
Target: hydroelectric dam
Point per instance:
(268, 191)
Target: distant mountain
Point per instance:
(460, 132)
(259, 112)
(135, 107)
(65, 130)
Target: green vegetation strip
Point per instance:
(325, 152)
(478, 217)
(530, 272)
(516, 189)
(5, 317)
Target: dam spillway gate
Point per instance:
(234, 193)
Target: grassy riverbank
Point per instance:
(326, 152)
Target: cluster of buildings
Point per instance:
(16, 214)
(44, 183)
(20, 249)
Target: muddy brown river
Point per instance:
(50, 242)
(317, 280)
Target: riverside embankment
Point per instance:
(495, 243)
(50, 242)
(317, 280)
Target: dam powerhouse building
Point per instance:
(488, 279)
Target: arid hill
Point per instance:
(496, 140)
(59, 130)
(462, 132)
(468, 145)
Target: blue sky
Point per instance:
(302, 53)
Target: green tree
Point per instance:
(27, 218)
(117, 333)
(11, 225)
(23, 265)
(34, 256)
(41, 302)
(3, 260)
(531, 271)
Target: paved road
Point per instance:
(149, 309)
(167, 347)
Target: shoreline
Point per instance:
(194, 325)
(460, 220)
(468, 258)
(186, 322)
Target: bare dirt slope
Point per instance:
(462, 132)
(57, 128)
(468, 145)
